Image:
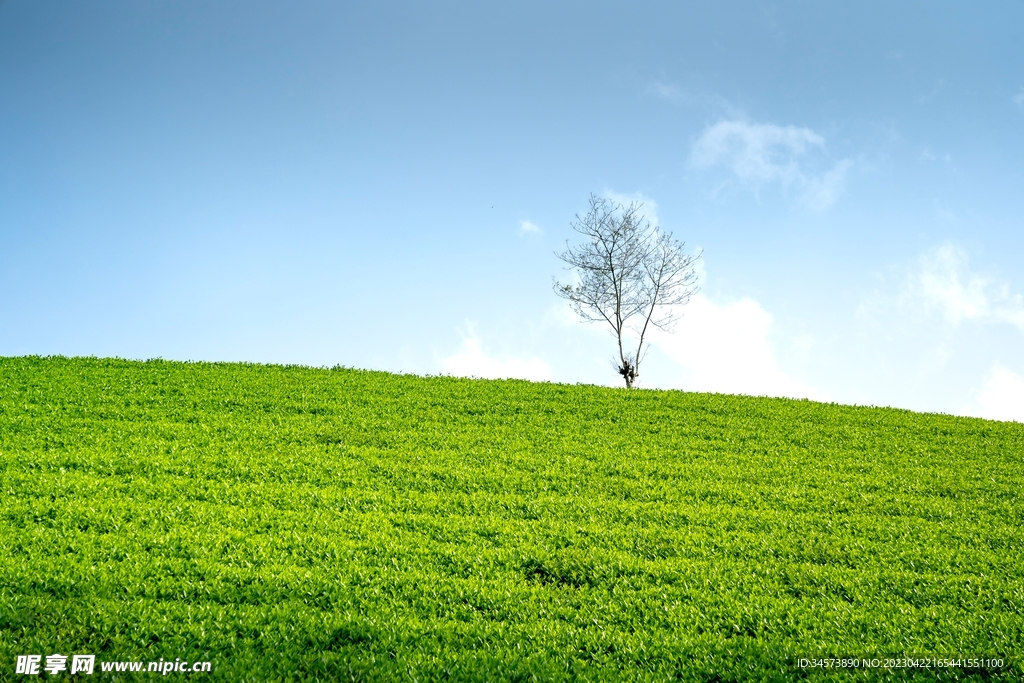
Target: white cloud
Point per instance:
(528, 227)
(755, 151)
(1002, 397)
(726, 348)
(473, 361)
(932, 337)
(946, 283)
(1018, 99)
(764, 153)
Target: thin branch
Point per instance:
(628, 270)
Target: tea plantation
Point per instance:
(298, 524)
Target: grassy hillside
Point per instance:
(288, 523)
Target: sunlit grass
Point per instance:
(289, 523)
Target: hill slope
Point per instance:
(288, 523)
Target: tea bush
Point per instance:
(299, 524)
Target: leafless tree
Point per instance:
(630, 276)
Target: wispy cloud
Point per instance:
(1018, 99)
(759, 153)
(683, 97)
(946, 283)
(666, 91)
(473, 361)
(529, 227)
(930, 335)
(755, 151)
(821, 192)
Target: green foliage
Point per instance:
(289, 523)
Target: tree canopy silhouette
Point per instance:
(631, 276)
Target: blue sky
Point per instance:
(383, 185)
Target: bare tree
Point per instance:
(630, 275)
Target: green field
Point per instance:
(289, 523)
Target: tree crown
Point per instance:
(631, 276)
